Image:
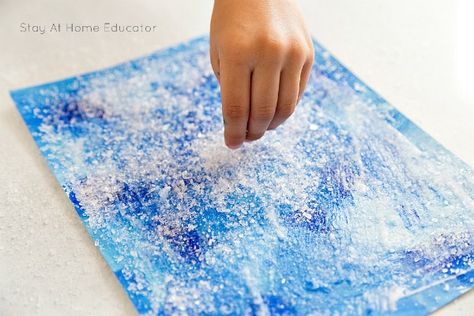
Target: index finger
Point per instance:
(235, 92)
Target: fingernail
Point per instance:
(234, 146)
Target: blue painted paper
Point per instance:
(348, 208)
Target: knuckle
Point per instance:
(310, 55)
(234, 112)
(263, 113)
(272, 46)
(297, 51)
(276, 44)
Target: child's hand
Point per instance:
(262, 55)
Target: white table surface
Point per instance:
(418, 54)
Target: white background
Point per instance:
(418, 54)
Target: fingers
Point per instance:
(305, 73)
(293, 81)
(260, 90)
(235, 90)
(264, 97)
(287, 95)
